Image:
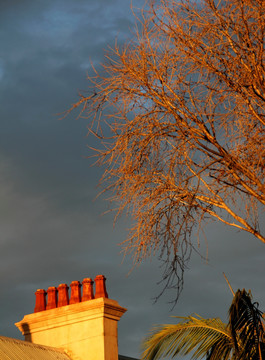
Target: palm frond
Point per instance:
(247, 327)
(203, 337)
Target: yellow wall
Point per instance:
(86, 330)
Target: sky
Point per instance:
(53, 227)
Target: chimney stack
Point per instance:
(86, 327)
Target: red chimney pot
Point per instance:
(100, 287)
(75, 292)
(52, 298)
(88, 293)
(63, 297)
(40, 304)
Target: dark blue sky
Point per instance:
(52, 227)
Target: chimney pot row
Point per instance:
(58, 297)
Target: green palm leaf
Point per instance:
(242, 339)
(203, 337)
(246, 324)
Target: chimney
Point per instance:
(40, 300)
(85, 327)
(88, 293)
(100, 287)
(75, 292)
(52, 298)
(63, 296)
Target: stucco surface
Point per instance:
(87, 330)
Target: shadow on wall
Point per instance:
(26, 331)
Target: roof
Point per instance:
(122, 357)
(23, 350)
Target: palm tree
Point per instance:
(243, 338)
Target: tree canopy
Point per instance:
(180, 112)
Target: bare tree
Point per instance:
(180, 111)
